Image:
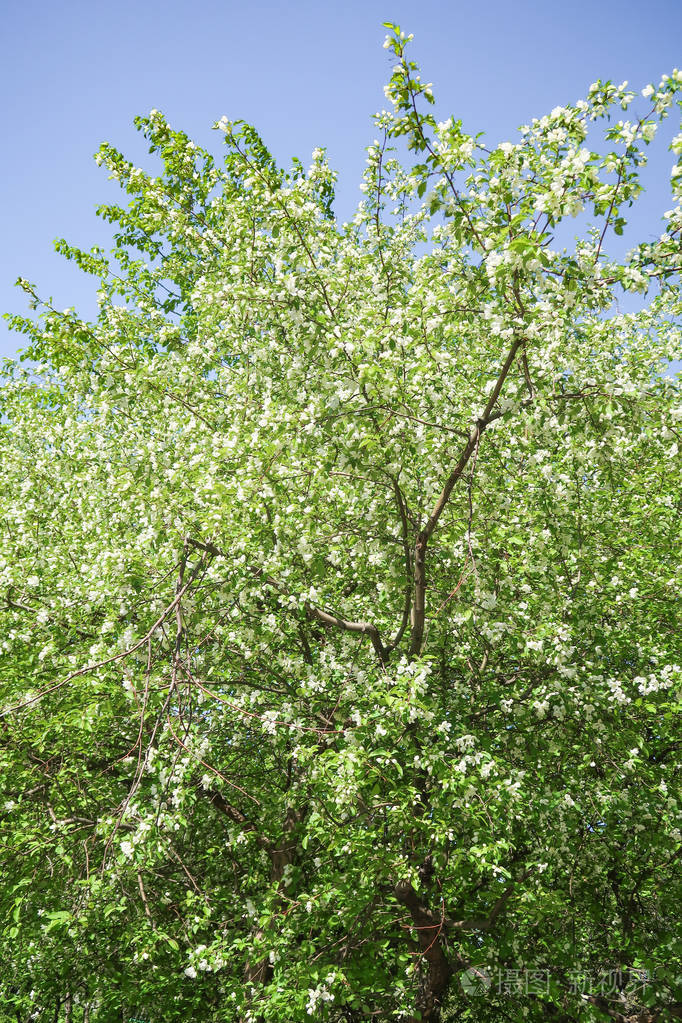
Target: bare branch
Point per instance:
(143, 895)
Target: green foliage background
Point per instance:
(340, 587)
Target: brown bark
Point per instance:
(281, 856)
(437, 968)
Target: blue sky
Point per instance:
(305, 74)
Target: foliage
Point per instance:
(340, 588)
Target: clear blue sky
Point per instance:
(305, 74)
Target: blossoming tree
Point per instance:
(340, 582)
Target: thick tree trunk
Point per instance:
(436, 967)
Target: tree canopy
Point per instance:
(340, 587)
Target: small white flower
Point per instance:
(190, 972)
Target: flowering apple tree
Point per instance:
(340, 587)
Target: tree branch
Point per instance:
(419, 606)
(408, 585)
(237, 817)
(485, 923)
(311, 611)
(429, 928)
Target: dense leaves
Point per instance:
(340, 588)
